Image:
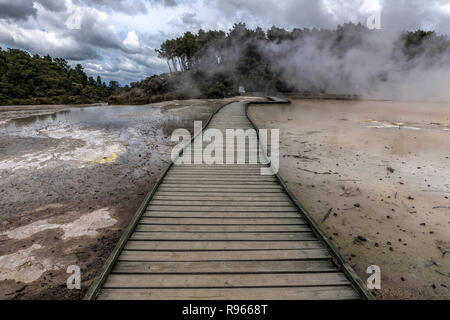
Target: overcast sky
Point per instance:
(117, 38)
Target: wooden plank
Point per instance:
(221, 184)
(214, 174)
(221, 166)
(292, 293)
(220, 228)
(267, 204)
(181, 208)
(221, 245)
(221, 179)
(208, 267)
(222, 236)
(220, 194)
(223, 189)
(206, 197)
(223, 221)
(248, 255)
(225, 280)
(219, 214)
(216, 171)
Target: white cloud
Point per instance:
(131, 42)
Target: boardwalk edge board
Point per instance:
(336, 258)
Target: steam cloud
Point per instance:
(367, 63)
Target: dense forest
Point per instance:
(26, 79)
(214, 64)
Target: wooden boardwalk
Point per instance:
(223, 232)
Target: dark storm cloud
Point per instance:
(282, 13)
(190, 21)
(165, 3)
(22, 9)
(131, 7)
(16, 9)
(52, 5)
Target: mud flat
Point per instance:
(71, 179)
(383, 168)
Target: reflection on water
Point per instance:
(41, 117)
(109, 130)
(143, 119)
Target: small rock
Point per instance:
(361, 238)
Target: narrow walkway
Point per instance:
(222, 232)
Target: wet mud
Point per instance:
(71, 179)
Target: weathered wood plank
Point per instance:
(221, 179)
(223, 221)
(222, 184)
(220, 214)
(181, 208)
(222, 236)
(214, 175)
(220, 228)
(217, 171)
(202, 267)
(224, 189)
(206, 197)
(255, 204)
(231, 165)
(220, 194)
(225, 280)
(221, 245)
(293, 293)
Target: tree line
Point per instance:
(26, 79)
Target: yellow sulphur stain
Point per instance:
(105, 159)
